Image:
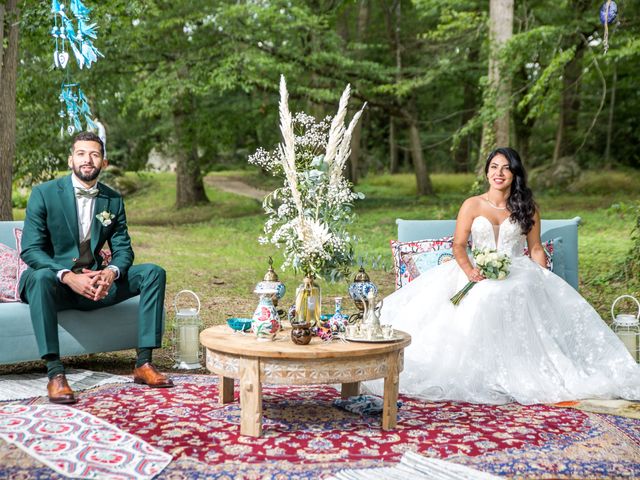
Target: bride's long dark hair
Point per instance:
(520, 202)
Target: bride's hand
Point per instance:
(475, 275)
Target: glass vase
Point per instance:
(308, 300)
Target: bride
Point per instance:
(530, 338)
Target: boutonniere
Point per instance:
(105, 218)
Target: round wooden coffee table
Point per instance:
(234, 355)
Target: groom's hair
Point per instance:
(88, 137)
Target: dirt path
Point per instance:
(235, 185)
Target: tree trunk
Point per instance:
(500, 31)
(423, 182)
(612, 104)
(522, 127)
(354, 158)
(9, 14)
(394, 166)
(569, 107)
(462, 154)
(189, 180)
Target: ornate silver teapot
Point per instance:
(370, 325)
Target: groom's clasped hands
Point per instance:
(91, 284)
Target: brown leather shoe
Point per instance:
(147, 374)
(59, 390)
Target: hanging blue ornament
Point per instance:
(73, 31)
(76, 108)
(608, 17)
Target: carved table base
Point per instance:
(283, 363)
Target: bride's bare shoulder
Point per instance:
(472, 204)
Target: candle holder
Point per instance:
(359, 291)
(187, 334)
(627, 327)
(271, 281)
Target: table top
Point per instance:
(221, 338)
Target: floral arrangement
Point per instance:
(308, 216)
(492, 265)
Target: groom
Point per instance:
(68, 221)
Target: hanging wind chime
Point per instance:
(72, 31)
(608, 15)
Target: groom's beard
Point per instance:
(89, 176)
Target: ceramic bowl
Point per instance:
(240, 324)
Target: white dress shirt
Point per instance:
(85, 207)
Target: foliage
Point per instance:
(215, 65)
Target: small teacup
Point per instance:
(367, 332)
(387, 331)
(352, 331)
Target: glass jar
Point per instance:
(308, 300)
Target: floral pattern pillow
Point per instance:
(11, 268)
(410, 259)
(21, 267)
(549, 249)
(8, 273)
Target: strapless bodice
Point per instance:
(510, 239)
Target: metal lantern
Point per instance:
(271, 281)
(186, 334)
(359, 290)
(627, 327)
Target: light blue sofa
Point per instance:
(104, 330)
(564, 232)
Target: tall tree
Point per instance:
(500, 31)
(406, 104)
(9, 28)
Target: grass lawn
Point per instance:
(213, 249)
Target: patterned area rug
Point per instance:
(415, 467)
(78, 445)
(29, 385)
(623, 408)
(306, 437)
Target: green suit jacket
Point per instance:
(51, 238)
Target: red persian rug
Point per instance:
(306, 437)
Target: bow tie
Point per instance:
(86, 193)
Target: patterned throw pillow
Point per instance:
(410, 259)
(17, 232)
(11, 268)
(552, 250)
(8, 273)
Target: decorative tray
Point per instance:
(394, 338)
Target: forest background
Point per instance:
(444, 81)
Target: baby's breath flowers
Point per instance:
(308, 216)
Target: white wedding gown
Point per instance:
(530, 338)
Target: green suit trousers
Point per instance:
(46, 296)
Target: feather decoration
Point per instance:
(345, 148)
(336, 131)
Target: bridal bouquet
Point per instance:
(492, 264)
(308, 216)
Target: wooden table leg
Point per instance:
(250, 397)
(350, 389)
(390, 401)
(225, 389)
